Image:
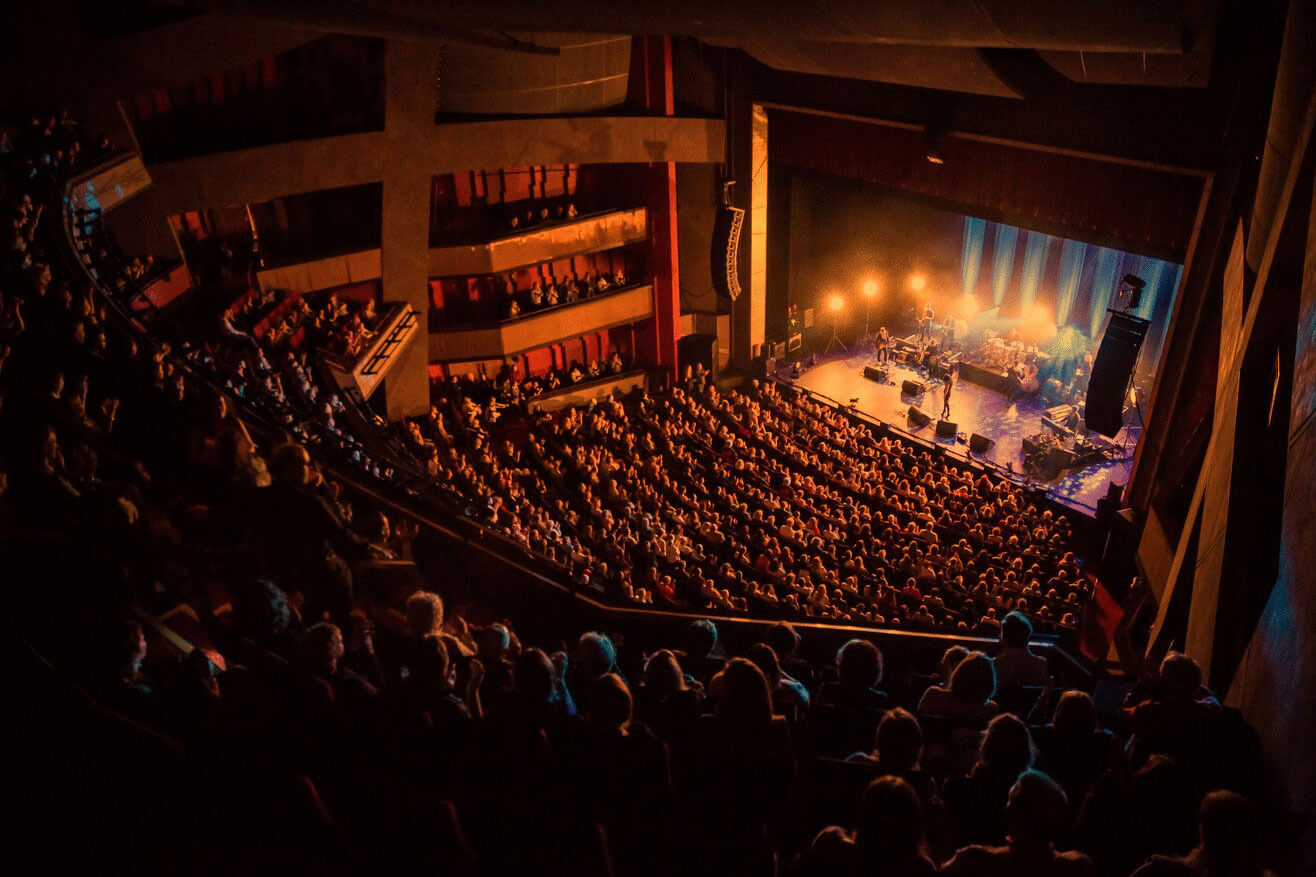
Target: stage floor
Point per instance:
(973, 409)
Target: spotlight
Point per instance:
(932, 148)
(835, 303)
(870, 289)
(1040, 315)
(969, 306)
(917, 282)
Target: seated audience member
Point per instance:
(968, 698)
(1131, 815)
(789, 697)
(1035, 816)
(741, 769)
(494, 649)
(1230, 842)
(859, 671)
(697, 658)
(887, 839)
(785, 641)
(620, 772)
(594, 656)
(950, 659)
(1016, 665)
(429, 688)
(306, 543)
(1178, 717)
(976, 802)
(123, 686)
(845, 713)
(898, 744)
(1072, 749)
(668, 701)
(323, 649)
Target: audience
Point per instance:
(213, 678)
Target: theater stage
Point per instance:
(974, 409)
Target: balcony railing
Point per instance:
(535, 245)
(539, 329)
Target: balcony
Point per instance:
(509, 337)
(600, 388)
(585, 234)
(326, 273)
(369, 369)
(109, 183)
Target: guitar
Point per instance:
(1028, 380)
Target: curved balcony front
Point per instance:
(535, 245)
(542, 328)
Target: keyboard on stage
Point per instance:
(1055, 418)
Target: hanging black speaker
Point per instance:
(1111, 370)
(726, 251)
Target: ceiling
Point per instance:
(940, 44)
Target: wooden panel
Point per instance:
(592, 233)
(528, 333)
(323, 273)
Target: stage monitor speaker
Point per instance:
(873, 373)
(946, 429)
(980, 444)
(726, 249)
(1116, 359)
(912, 388)
(918, 419)
(697, 348)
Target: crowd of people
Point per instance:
(301, 723)
(762, 502)
(518, 302)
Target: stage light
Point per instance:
(969, 306)
(1040, 315)
(835, 303)
(870, 289)
(917, 282)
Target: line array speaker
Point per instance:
(1116, 359)
(726, 251)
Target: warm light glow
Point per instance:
(835, 303)
(870, 289)
(917, 282)
(969, 306)
(1040, 315)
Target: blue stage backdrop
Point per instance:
(1038, 280)
(986, 275)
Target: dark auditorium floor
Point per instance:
(974, 409)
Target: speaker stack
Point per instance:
(1111, 370)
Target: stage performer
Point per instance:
(929, 317)
(883, 345)
(945, 394)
